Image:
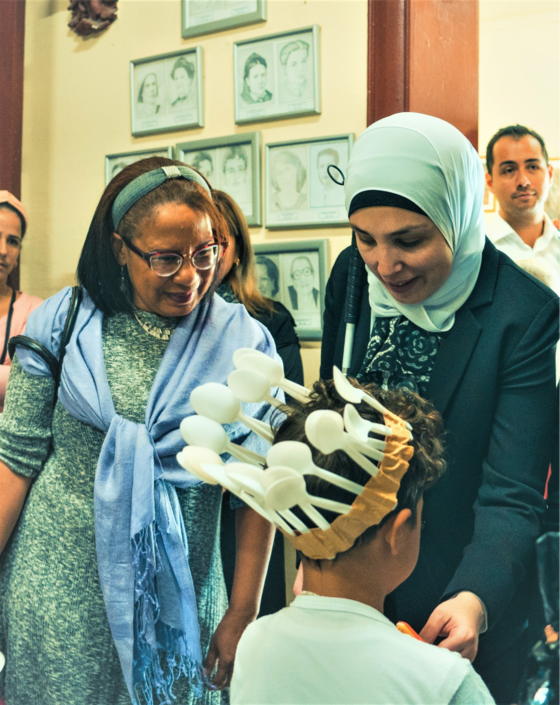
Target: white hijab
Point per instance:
(431, 163)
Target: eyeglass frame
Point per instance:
(146, 256)
(301, 273)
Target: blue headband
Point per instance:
(148, 182)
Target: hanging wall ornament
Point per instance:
(91, 16)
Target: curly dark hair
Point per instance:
(426, 466)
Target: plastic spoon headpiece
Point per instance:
(216, 402)
(193, 457)
(249, 385)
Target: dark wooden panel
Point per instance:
(443, 66)
(423, 57)
(387, 58)
(12, 34)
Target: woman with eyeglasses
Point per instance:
(111, 583)
(303, 295)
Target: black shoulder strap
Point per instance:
(75, 302)
(8, 327)
(55, 365)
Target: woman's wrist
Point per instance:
(244, 610)
(474, 606)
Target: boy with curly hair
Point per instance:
(333, 644)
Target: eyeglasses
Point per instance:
(307, 272)
(166, 263)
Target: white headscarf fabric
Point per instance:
(431, 163)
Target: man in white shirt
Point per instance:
(520, 176)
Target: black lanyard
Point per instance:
(8, 326)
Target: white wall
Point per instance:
(520, 68)
(77, 110)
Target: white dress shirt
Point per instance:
(327, 650)
(546, 249)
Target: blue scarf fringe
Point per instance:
(161, 653)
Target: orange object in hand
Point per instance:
(405, 628)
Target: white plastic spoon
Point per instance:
(359, 428)
(248, 478)
(192, 457)
(274, 371)
(249, 481)
(315, 419)
(218, 402)
(251, 386)
(287, 489)
(354, 395)
(277, 497)
(326, 433)
(202, 431)
(254, 481)
(331, 422)
(241, 352)
(272, 517)
(296, 455)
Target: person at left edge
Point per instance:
(15, 306)
(444, 312)
(114, 535)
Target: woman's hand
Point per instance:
(459, 621)
(223, 646)
(254, 537)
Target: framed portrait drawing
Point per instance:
(231, 164)
(299, 191)
(115, 163)
(295, 273)
(277, 76)
(489, 199)
(207, 16)
(552, 203)
(166, 92)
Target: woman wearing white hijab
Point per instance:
(448, 316)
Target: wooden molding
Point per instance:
(12, 35)
(423, 57)
(387, 58)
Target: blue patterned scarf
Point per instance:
(399, 354)
(142, 546)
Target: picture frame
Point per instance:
(115, 163)
(277, 76)
(552, 203)
(295, 273)
(231, 164)
(166, 92)
(299, 192)
(207, 16)
(489, 199)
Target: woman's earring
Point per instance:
(123, 280)
(236, 263)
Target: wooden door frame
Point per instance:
(12, 38)
(423, 57)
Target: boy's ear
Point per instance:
(397, 531)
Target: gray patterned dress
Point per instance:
(53, 627)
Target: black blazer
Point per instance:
(494, 384)
(282, 327)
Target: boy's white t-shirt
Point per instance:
(326, 650)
